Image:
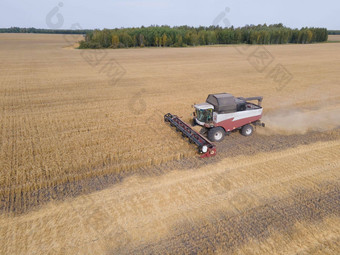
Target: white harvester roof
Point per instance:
(204, 106)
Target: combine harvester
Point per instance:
(220, 115)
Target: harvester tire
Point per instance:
(247, 130)
(216, 134)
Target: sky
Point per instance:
(89, 14)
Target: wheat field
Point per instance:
(334, 38)
(88, 166)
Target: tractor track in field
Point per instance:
(223, 207)
(237, 145)
(232, 146)
(225, 231)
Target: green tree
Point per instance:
(164, 40)
(134, 40)
(141, 40)
(202, 37)
(309, 36)
(125, 40)
(115, 41)
(185, 35)
(179, 40)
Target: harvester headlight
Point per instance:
(204, 148)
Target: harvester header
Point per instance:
(205, 147)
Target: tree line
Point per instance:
(334, 32)
(43, 31)
(166, 36)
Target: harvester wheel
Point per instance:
(216, 134)
(247, 130)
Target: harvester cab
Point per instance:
(203, 113)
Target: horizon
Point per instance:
(136, 13)
(75, 29)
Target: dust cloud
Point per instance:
(301, 121)
(316, 108)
